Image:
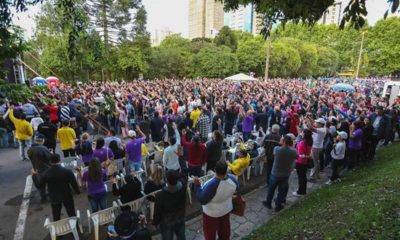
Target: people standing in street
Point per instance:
(319, 132)
(60, 182)
(285, 157)
(40, 159)
(214, 150)
(23, 132)
(169, 209)
(49, 130)
(171, 153)
(215, 196)
(270, 142)
(337, 153)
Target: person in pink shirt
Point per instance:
(304, 156)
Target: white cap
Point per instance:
(343, 135)
(321, 121)
(131, 133)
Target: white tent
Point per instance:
(240, 77)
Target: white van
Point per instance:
(391, 90)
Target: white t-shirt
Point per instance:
(339, 151)
(35, 122)
(318, 138)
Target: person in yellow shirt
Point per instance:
(67, 137)
(195, 115)
(23, 132)
(238, 166)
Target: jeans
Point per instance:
(23, 148)
(3, 137)
(98, 201)
(246, 136)
(283, 187)
(354, 156)
(167, 232)
(315, 152)
(135, 166)
(270, 163)
(301, 170)
(195, 171)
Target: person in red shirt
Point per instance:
(53, 112)
(196, 156)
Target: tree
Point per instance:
(285, 60)
(226, 37)
(131, 61)
(251, 56)
(167, 63)
(327, 63)
(214, 62)
(306, 11)
(383, 47)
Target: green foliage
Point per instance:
(226, 37)
(285, 60)
(251, 54)
(131, 61)
(365, 205)
(384, 47)
(327, 61)
(215, 62)
(15, 92)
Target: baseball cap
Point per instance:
(321, 121)
(40, 137)
(343, 135)
(131, 133)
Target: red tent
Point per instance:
(52, 82)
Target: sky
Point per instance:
(173, 15)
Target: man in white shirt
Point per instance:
(319, 133)
(171, 156)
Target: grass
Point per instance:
(365, 205)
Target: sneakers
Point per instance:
(329, 182)
(267, 205)
(297, 195)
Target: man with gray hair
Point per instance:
(270, 142)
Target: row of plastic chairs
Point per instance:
(97, 219)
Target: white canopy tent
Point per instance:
(240, 78)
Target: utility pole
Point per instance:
(268, 54)
(360, 54)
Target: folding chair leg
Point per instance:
(248, 173)
(189, 194)
(75, 233)
(244, 178)
(96, 232)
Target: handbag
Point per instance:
(239, 205)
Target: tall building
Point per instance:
(334, 14)
(159, 36)
(206, 18)
(244, 18)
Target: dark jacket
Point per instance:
(60, 181)
(49, 130)
(170, 204)
(270, 142)
(214, 152)
(156, 127)
(40, 157)
(383, 125)
(131, 191)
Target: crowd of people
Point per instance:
(297, 125)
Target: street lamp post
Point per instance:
(360, 54)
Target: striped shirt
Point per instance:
(203, 125)
(65, 113)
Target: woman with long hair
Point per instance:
(155, 182)
(117, 151)
(105, 156)
(122, 118)
(94, 178)
(214, 150)
(304, 156)
(196, 154)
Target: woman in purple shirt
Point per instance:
(101, 152)
(84, 149)
(355, 144)
(94, 178)
(247, 125)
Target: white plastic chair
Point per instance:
(210, 174)
(64, 226)
(100, 218)
(152, 204)
(262, 161)
(120, 165)
(70, 162)
(134, 205)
